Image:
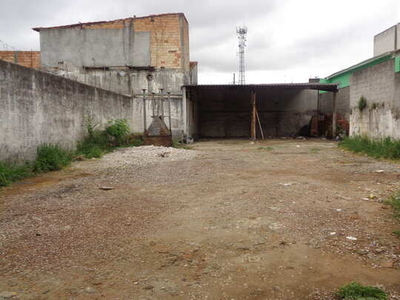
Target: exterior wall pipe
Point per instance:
(184, 112)
(253, 116)
(334, 116)
(169, 112)
(153, 104)
(162, 103)
(144, 111)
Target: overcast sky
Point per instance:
(288, 40)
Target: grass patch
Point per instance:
(10, 173)
(358, 291)
(315, 150)
(379, 148)
(95, 145)
(266, 148)
(51, 158)
(394, 201)
(397, 233)
(180, 145)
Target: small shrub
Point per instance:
(134, 139)
(362, 103)
(358, 291)
(397, 233)
(11, 172)
(94, 145)
(119, 130)
(51, 158)
(91, 124)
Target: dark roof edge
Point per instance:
(110, 21)
(315, 86)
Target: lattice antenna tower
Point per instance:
(242, 36)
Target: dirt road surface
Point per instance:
(280, 219)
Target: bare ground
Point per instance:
(281, 219)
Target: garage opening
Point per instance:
(252, 111)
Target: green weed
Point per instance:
(180, 145)
(118, 130)
(95, 145)
(377, 148)
(358, 291)
(11, 172)
(362, 103)
(394, 201)
(51, 158)
(266, 148)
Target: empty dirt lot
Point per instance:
(280, 219)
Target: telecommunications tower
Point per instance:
(242, 36)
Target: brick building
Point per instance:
(124, 56)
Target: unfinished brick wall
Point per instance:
(30, 59)
(169, 44)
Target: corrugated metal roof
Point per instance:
(330, 87)
(110, 21)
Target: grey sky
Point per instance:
(288, 40)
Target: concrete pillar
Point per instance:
(334, 115)
(184, 113)
(253, 116)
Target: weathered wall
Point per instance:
(127, 81)
(226, 113)
(342, 103)
(386, 41)
(380, 85)
(99, 53)
(95, 47)
(30, 59)
(156, 108)
(38, 107)
(193, 73)
(164, 39)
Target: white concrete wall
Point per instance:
(176, 114)
(385, 41)
(94, 47)
(127, 81)
(38, 107)
(380, 85)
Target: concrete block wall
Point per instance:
(380, 85)
(226, 113)
(38, 107)
(30, 59)
(129, 82)
(387, 40)
(342, 103)
(159, 41)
